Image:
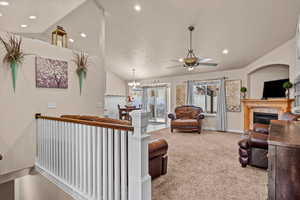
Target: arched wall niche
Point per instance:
(259, 75)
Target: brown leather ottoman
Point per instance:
(158, 158)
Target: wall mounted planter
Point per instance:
(14, 69)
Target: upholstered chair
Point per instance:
(187, 118)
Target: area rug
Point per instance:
(205, 167)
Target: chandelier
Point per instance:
(134, 84)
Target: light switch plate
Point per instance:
(52, 105)
(99, 104)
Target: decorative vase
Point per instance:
(14, 69)
(243, 95)
(81, 77)
(287, 93)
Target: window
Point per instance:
(205, 95)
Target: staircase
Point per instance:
(95, 160)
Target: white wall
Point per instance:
(115, 86)
(17, 123)
(269, 73)
(36, 187)
(284, 54)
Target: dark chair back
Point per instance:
(187, 112)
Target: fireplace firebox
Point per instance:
(264, 118)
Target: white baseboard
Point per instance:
(235, 131)
(228, 130)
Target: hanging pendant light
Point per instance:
(134, 84)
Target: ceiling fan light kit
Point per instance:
(191, 60)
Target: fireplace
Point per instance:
(264, 118)
(264, 106)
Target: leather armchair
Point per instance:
(253, 150)
(187, 118)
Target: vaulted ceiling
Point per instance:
(149, 39)
(48, 12)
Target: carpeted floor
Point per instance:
(206, 167)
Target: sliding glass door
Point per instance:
(156, 103)
(154, 100)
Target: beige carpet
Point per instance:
(206, 167)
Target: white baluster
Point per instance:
(94, 160)
(47, 143)
(77, 155)
(110, 164)
(105, 163)
(89, 165)
(124, 174)
(81, 141)
(117, 165)
(99, 162)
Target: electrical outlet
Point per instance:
(52, 105)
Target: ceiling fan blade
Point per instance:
(204, 60)
(174, 66)
(180, 60)
(208, 64)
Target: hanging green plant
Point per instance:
(14, 55)
(81, 60)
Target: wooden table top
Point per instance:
(285, 133)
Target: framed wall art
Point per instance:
(51, 73)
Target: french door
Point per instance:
(155, 101)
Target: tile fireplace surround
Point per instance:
(276, 106)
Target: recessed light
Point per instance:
(71, 40)
(225, 51)
(24, 25)
(4, 3)
(83, 35)
(137, 8)
(32, 17)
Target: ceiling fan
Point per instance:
(191, 60)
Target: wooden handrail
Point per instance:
(90, 123)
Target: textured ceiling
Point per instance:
(47, 11)
(148, 40)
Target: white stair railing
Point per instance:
(95, 160)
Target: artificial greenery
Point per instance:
(243, 89)
(14, 52)
(287, 85)
(81, 60)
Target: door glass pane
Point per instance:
(137, 98)
(161, 104)
(151, 93)
(155, 102)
